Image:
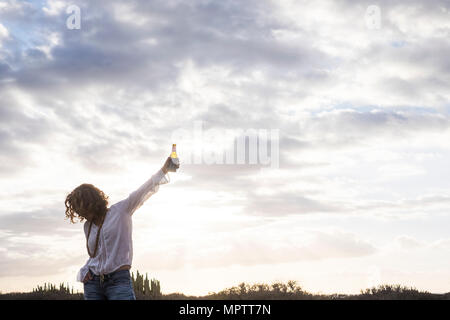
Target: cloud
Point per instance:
(55, 7)
(353, 126)
(406, 242)
(20, 129)
(442, 244)
(362, 114)
(423, 203)
(3, 32)
(22, 260)
(281, 204)
(48, 220)
(38, 243)
(248, 248)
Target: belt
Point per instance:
(106, 276)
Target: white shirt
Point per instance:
(115, 245)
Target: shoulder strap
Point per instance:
(96, 239)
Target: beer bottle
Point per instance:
(174, 159)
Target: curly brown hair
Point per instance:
(86, 198)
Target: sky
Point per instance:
(357, 192)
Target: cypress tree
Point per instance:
(147, 291)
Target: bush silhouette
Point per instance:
(146, 289)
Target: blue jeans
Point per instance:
(115, 286)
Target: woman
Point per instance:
(108, 231)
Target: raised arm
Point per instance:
(137, 198)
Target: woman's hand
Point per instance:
(87, 277)
(169, 164)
